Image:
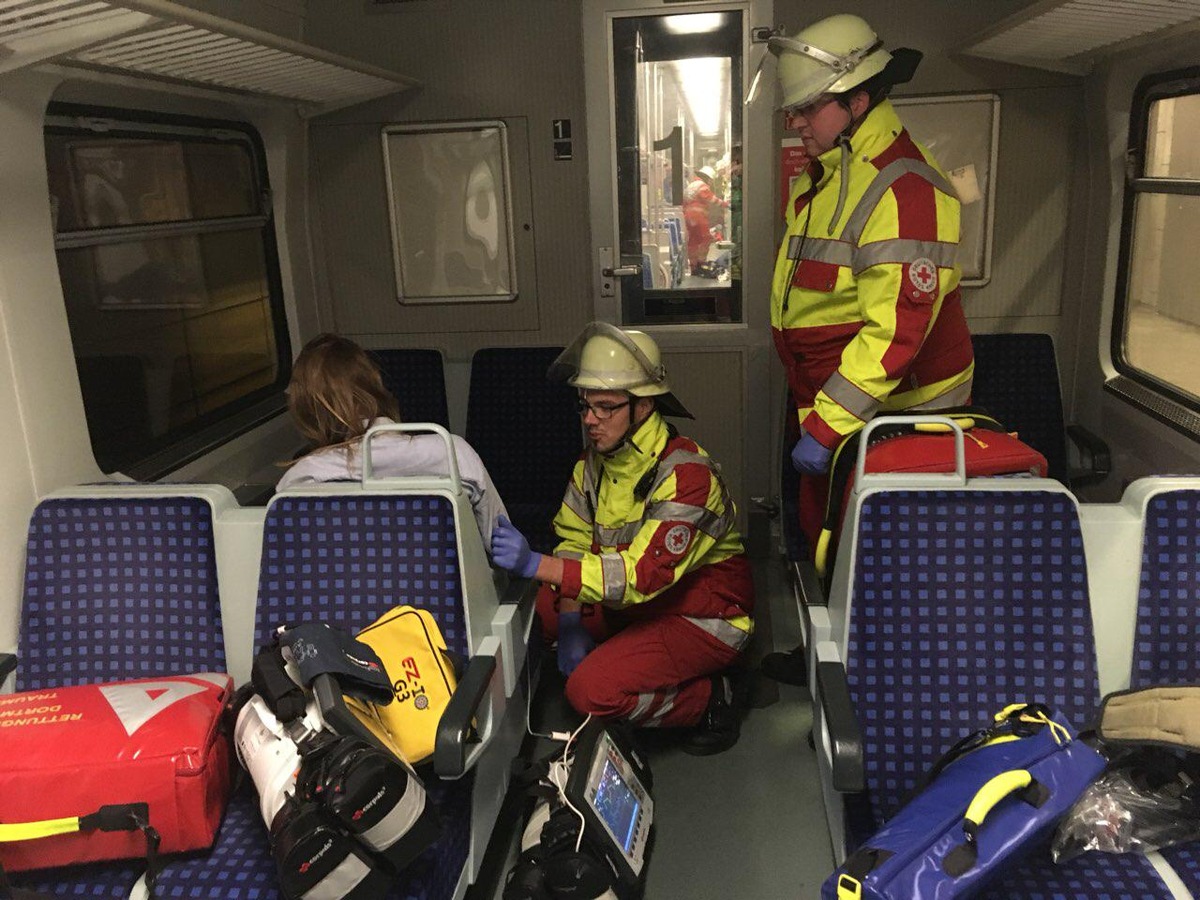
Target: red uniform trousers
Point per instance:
(649, 670)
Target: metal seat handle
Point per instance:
(368, 467)
(957, 478)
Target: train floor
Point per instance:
(745, 823)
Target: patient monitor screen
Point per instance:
(617, 805)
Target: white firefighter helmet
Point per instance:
(830, 56)
(606, 358)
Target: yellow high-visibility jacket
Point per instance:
(636, 523)
(865, 305)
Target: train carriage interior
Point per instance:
(193, 190)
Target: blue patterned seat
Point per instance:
(117, 586)
(964, 602)
(417, 381)
(527, 432)
(346, 559)
(1166, 648)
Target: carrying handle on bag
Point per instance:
(925, 424)
(368, 469)
(962, 858)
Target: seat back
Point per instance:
(527, 432)
(963, 601)
(1166, 647)
(416, 379)
(346, 559)
(1016, 380)
(120, 583)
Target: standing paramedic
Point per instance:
(650, 562)
(865, 305)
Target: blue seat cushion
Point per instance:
(1185, 860)
(1167, 646)
(98, 577)
(97, 880)
(1092, 876)
(927, 660)
(348, 559)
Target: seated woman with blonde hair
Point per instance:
(335, 395)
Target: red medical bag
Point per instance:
(922, 447)
(69, 751)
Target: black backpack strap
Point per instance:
(272, 682)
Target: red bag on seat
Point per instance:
(908, 447)
(69, 751)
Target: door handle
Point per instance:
(621, 271)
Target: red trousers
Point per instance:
(652, 672)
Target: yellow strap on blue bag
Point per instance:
(848, 888)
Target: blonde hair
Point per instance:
(337, 391)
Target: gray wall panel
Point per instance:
(1032, 204)
(357, 244)
(520, 61)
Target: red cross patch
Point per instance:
(677, 539)
(923, 274)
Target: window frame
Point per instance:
(208, 430)
(1160, 399)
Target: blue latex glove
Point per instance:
(511, 551)
(810, 456)
(574, 643)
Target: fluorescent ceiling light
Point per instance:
(704, 81)
(695, 23)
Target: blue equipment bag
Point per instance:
(994, 796)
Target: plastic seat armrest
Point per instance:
(454, 728)
(517, 590)
(811, 591)
(845, 735)
(1094, 455)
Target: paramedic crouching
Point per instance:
(649, 593)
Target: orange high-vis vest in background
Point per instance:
(865, 304)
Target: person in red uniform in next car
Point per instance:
(649, 593)
(701, 211)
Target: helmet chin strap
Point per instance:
(627, 437)
(843, 142)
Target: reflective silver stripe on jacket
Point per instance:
(569, 554)
(702, 518)
(617, 537)
(575, 501)
(960, 395)
(729, 635)
(883, 182)
(612, 568)
(905, 250)
(826, 250)
(849, 396)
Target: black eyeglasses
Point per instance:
(601, 411)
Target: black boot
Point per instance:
(788, 668)
(720, 726)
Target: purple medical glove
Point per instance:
(511, 551)
(810, 456)
(574, 643)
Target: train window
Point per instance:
(448, 198)
(1156, 333)
(166, 254)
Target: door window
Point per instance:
(678, 119)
